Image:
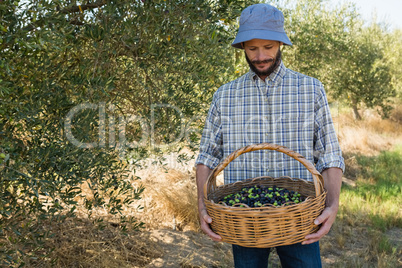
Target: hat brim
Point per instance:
(245, 36)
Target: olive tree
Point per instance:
(80, 83)
(393, 56)
(333, 45)
(365, 75)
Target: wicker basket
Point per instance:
(266, 226)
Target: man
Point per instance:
(277, 105)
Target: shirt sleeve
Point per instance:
(211, 151)
(327, 152)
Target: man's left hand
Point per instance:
(326, 218)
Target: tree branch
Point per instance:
(66, 10)
(83, 7)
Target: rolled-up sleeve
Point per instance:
(211, 151)
(327, 152)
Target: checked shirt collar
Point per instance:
(274, 78)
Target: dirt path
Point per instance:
(192, 249)
(195, 250)
(189, 249)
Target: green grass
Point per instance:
(370, 211)
(377, 198)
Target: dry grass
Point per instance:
(169, 199)
(82, 243)
(370, 135)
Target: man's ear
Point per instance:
(242, 45)
(280, 44)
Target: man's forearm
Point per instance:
(332, 182)
(202, 174)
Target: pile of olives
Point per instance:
(258, 196)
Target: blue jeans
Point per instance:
(295, 256)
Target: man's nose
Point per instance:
(260, 55)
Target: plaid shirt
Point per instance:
(288, 109)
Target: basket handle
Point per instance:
(210, 184)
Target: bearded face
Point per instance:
(263, 56)
(274, 63)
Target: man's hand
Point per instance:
(205, 220)
(202, 174)
(327, 218)
(332, 183)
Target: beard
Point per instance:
(275, 63)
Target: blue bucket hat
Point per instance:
(261, 21)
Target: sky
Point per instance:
(389, 11)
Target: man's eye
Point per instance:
(268, 47)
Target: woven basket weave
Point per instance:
(266, 226)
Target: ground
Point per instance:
(194, 249)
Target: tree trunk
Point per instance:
(355, 110)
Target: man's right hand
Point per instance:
(205, 220)
(202, 174)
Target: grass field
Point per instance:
(370, 212)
